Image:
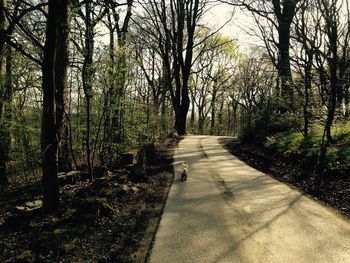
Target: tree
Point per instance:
(50, 189)
(176, 23)
(331, 57)
(114, 117)
(253, 93)
(306, 44)
(212, 72)
(278, 14)
(64, 158)
(90, 19)
(4, 144)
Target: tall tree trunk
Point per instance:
(180, 38)
(193, 114)
(229, 119)
(2, 40)
(64, 158)
(110, 99)
(88, 73)
(220, 118)
(332, 102)
(284, 70)
(285, 12)
(213, 112)
(166, 85)
(332, 34)
(118, 117)
(181, 113)
(347, 102)
(307, 89)
(48, 131)
(201, 119)
(235, 108)
(164, 127)
(5, 120)
(3, 126)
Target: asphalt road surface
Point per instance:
(227, 211)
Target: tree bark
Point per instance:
(5, 120)
(284, 70)
(64, 158)
(220, 118)
(87, 75)
(330, 12)
(3, 126)
(116, 127)
(285, 15)
(280, 16)
(49, 132)
(181, 113)
(2, 41)
(213, 112)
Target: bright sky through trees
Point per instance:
(237, 28)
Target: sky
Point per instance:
(221, 13)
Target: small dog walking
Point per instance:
(184, 171)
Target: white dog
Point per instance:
(184, 171)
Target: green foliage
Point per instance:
(337, 160)
(279, 116)
(269, 117)
(285, 143)
(342, 132)
(305, 150)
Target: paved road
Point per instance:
(229, 212)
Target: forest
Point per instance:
(85, 84)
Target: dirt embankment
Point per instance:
(112, 219)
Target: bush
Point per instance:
(337, 160)
(269, 118)
(286, 143)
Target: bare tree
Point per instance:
(176, 23)
(278, 16)
(305, 45)
(91, 18)
(331, 56)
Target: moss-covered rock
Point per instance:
(30, 206)
(21, 217)
(26, 256)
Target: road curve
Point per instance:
(227, 211)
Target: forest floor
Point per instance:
(112, 219)
(334, 191)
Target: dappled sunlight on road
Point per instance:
(227, 211)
